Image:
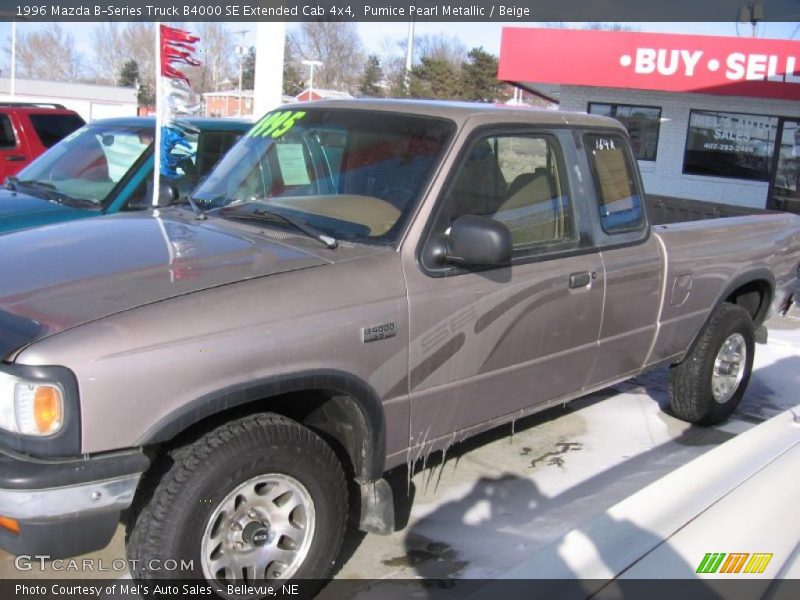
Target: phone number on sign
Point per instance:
(728, 147)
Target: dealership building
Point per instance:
(710, 118)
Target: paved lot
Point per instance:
(501, 497)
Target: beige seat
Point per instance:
(533, 209)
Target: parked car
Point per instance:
(356, 285)
(28, 129)
(107, 167)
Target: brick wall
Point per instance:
(665, 175)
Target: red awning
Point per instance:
(651, 61)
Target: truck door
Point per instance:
(632, 260)
(13, 152)
(490, 343)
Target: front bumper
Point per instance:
(66, 507)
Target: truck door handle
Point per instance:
(579, 280)
(15, 158)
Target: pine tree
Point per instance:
(371, 78)
(129, 77)
(434, 78)
(128, 74)
(479, 81)
(249, 69)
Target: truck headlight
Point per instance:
(30, 407)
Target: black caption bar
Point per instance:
(734, 588)
(388, 10)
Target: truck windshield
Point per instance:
(86, 165)
(352, 174)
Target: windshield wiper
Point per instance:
(51, 192)
(270, 214)
(199, 213)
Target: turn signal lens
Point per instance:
(10, 524)
(39, 408)
(30, 407)
(47, 409)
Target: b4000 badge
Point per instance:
(378, 332)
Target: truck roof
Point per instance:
(461, 111)
(204, 123)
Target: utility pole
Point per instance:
(13, 57)
(311, 64)
(751, 12)
(240, 50)
(409, 54)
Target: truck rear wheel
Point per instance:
(258, 498)
(707, 386)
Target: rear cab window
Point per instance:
(619, 199)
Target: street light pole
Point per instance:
(409, 54)
(241, 32)
(13, 57)
(311, 64)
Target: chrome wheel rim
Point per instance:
(729, 368)
(261, 530)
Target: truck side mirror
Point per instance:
(479, 241)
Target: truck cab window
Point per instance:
(617, 191)
(7, 137)
(517, 180)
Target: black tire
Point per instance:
(690, 390)
(169, 520)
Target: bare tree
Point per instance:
(219, 64)
(440, 47)
(109, 52)
(392, 57)
(338, 45)
(48, 53)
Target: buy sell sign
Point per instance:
(652, 61)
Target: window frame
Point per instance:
(616, 105)
(638, 187)
(770, 159)
(580, 240)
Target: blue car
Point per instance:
(106, 167)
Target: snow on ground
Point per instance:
(499, 497)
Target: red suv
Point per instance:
(28, 129)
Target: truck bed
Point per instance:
(704, 258)
(665, 210)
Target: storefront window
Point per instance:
(723, 144)
(642, 123)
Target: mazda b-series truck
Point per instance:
(355, 285)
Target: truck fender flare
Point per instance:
(758, 274)
(370, 432)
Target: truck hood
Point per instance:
(60, 276)
(19, 210)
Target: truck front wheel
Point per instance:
(258, 498)
(707, 386)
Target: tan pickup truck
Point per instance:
(355, 285)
